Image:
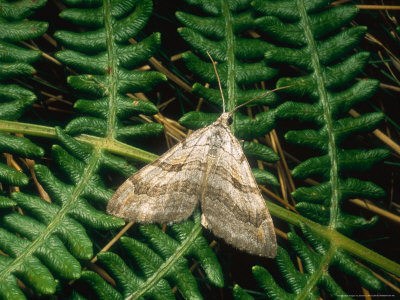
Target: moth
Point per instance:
(208, 169)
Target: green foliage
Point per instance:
(37, 253)
(218, 32)
(14, 100)
(16, 61)
(322, 53)
(18, 10)
(160, 267)
(109, 62)
(314, 261)
(296, 280)
(21, 147)
(326, 75)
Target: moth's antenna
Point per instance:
(258, 97)
(219, 81)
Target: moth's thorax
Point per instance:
(219, 134)
(224, 119)
(216, 140)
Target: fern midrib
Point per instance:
(317, 274)
(332, 149)
(168, 264)
(113, 74)
(52, 226)
(231, 61)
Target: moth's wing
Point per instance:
(166, 190)
(232, 205)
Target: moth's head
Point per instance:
(225, 118)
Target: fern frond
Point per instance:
(14, 100)
(15, 60)
(326, 76)
(160, 267)
(296, 280)
(37, 254)
(322, 54)
(38, 251)
(25, 260)
(103, 53)
(315, 261)
(240, 62)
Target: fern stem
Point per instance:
(113, 146)
(231, 61)
(112, 67)
(28, 129)
(323, 97)
(317, 274)
(340, 241)
(168, 264)
(230, 56)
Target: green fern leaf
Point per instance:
(18, 10)
(21, 147)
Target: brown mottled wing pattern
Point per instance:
(210, 167)
(232, 205)
(168, 189)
